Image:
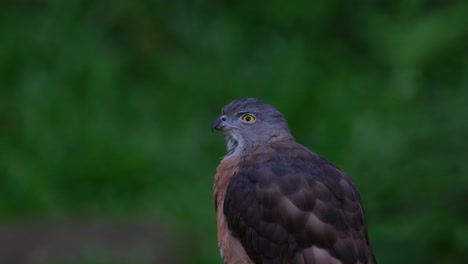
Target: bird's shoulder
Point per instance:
(289, 161)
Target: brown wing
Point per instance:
(288, 205)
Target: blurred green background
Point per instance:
(106, 108)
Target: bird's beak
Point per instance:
(218, 124)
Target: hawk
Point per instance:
(278, 202)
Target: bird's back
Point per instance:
(285, 204)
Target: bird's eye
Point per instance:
(248, 118)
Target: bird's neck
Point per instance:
(238, 146)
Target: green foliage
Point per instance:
(106, 107)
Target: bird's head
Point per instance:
(249, 123)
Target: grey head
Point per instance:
(249, 123)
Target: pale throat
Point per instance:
(234, 144)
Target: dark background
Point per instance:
(106, 108)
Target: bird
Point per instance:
(278, 202)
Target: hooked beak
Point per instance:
(219, 124)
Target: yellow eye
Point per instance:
(248, 118)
